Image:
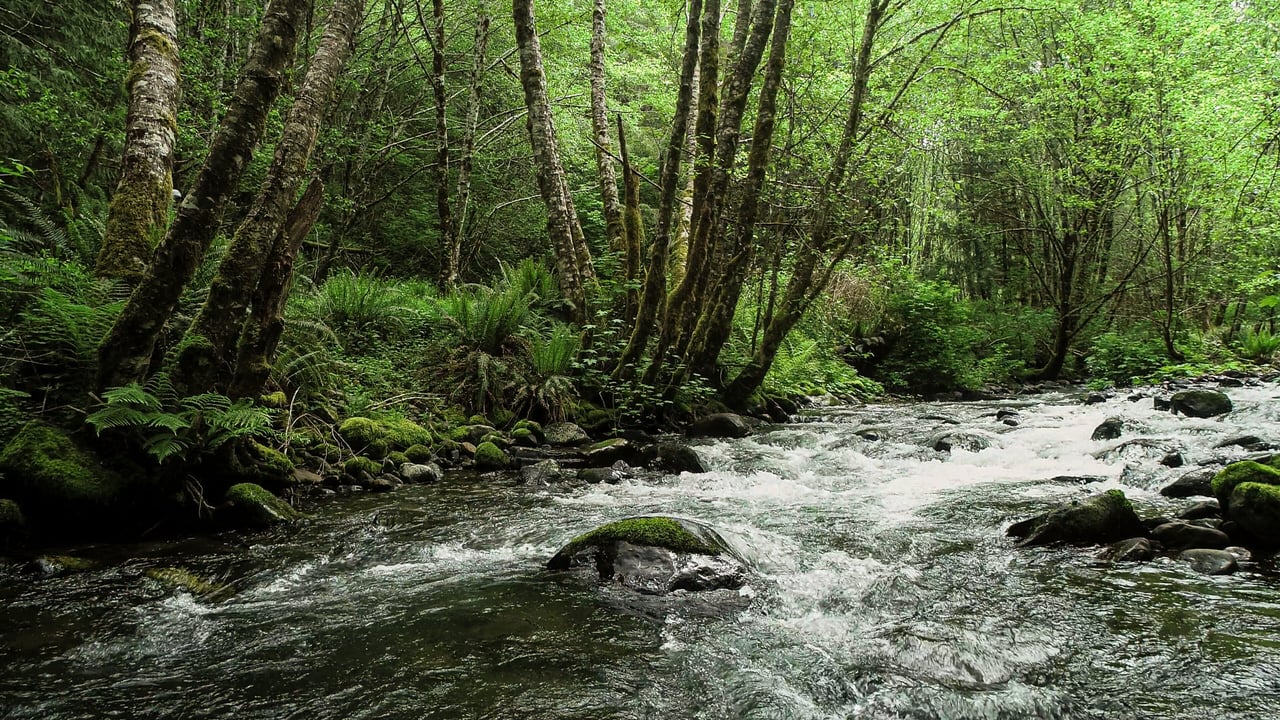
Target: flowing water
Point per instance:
(885, 589)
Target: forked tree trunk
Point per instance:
(208, 353)
(263, 329)
(139, 207)
(573, 260)
(125, 354)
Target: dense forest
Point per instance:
(246, 241)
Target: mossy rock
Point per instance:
(1247, 471)
(529, 426)
(474, 434)
(524, 437)
(649, 531)
(43, 469)
(1098, 520)
(496, 438)
(255, 507)
(1255, 507)
(383, 435)
(419, 453)
(179, 579)
(61, 565)
(328, 452)
(275, 400)
(478, 419)
(501, 417)
(396, 459)
(11, 519)
(490, 457)
(271, 460)
(357, 465)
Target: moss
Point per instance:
(496, 438)
(180, 579)
(478, 419)
(460, 434)
(43, 465)
(524, 436)
(534, 427)
(63, 564)
(384, 435)
(10, 515)
(501, 417)
(419, 453)
(1256, 508)
(490, 457)
(356, 465)
(396, 459)
(275, 400)
(259, 508)
(274, 460)
(1248, 471)
(328, 452)
(660, 532)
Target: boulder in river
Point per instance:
(254, 506)
(546, 472)
(490, 457)
(1178, 535)
(1255, 507)
(1209, 562)
(672, 457)
(1201, 510)
(1192, 484)
(1097, 520)
(1137, 549)
(654, 555)
(565, 433)
(421, 472)
(1200, 403)
(1245, 471)
(970, 440)
(1109, 429)
(720, 425)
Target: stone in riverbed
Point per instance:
(1177, 536)
(1209, 562)
(1246, 471)
(1200, 403)
(539, 474)
(565, 433)
(654, 555)
(490, 457)
(1109, 429)
(1205, 509)
(1255, 507)
(720, 425)
(611, 475)
(254, 506)
(970, 440)
(421, 472)
(1194, 483)
(1100, 519)
(672, 457)
(1137, 549)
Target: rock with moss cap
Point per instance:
(252, 505)
(1255, 507)
(46, 472)
(1097, 520)
(1247, 471)
(377, 437)
(654, 555)
(490, 457)
(179, 579)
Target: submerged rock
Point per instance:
(1100, 519)
(611, 475)
(1192, 484)
(720, 425)
(970, 440)
(179, 579)
(1178, 535)
(1137, 549)
(1209, 562)
(545, 472)
(1200, 403)
(672, 457)
(52, 565)
(254, 506)
(654, 555)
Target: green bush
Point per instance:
(1124, 358)
(930, 338)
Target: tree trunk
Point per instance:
(600, 129)
(444, 212)
(573, 260)
(139, 207)
(633, 229)
(655, 285)
(265, 325)
(684, 225)
(209, 346)
(125, 354)
(452, 265)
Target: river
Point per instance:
(885, 588)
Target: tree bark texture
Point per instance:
(452, 265)
(655, 278)
(573, 260)
(208, 351)
(265, 324)
(139, 208)
(600, 129)
(125, 354)
(444, 211)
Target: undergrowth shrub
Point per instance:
(929, 338)
(1124, 358)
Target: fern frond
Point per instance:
(131, 396)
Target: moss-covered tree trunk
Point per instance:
(612, 203)
(208, 350)
(655, 278)
(139, 207)
(265, 324)
(125, 354)
(632, 230)
(573, 260)
(444, 211)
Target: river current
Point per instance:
(885, 588)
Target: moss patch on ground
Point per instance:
(383, 435)
(41, 464)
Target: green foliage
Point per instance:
(1258, 345)
(927, 328)
(166, 426)
(1125, 358)
(554, 353)
(801, 368)
(485, 319)
(362, 308)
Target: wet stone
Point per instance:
(1204, 509)
(1137, 549)
(1210, 562)
(1108, 429)
(1178, 535)
(1194, 483)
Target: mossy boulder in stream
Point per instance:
(254, 506)
(377, 437)
(1200, 403)
(44, 471)
(490, 457)
(1255, 507)
(1238, 473)
(654, 555)
(179, 579)
(1098, 520)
